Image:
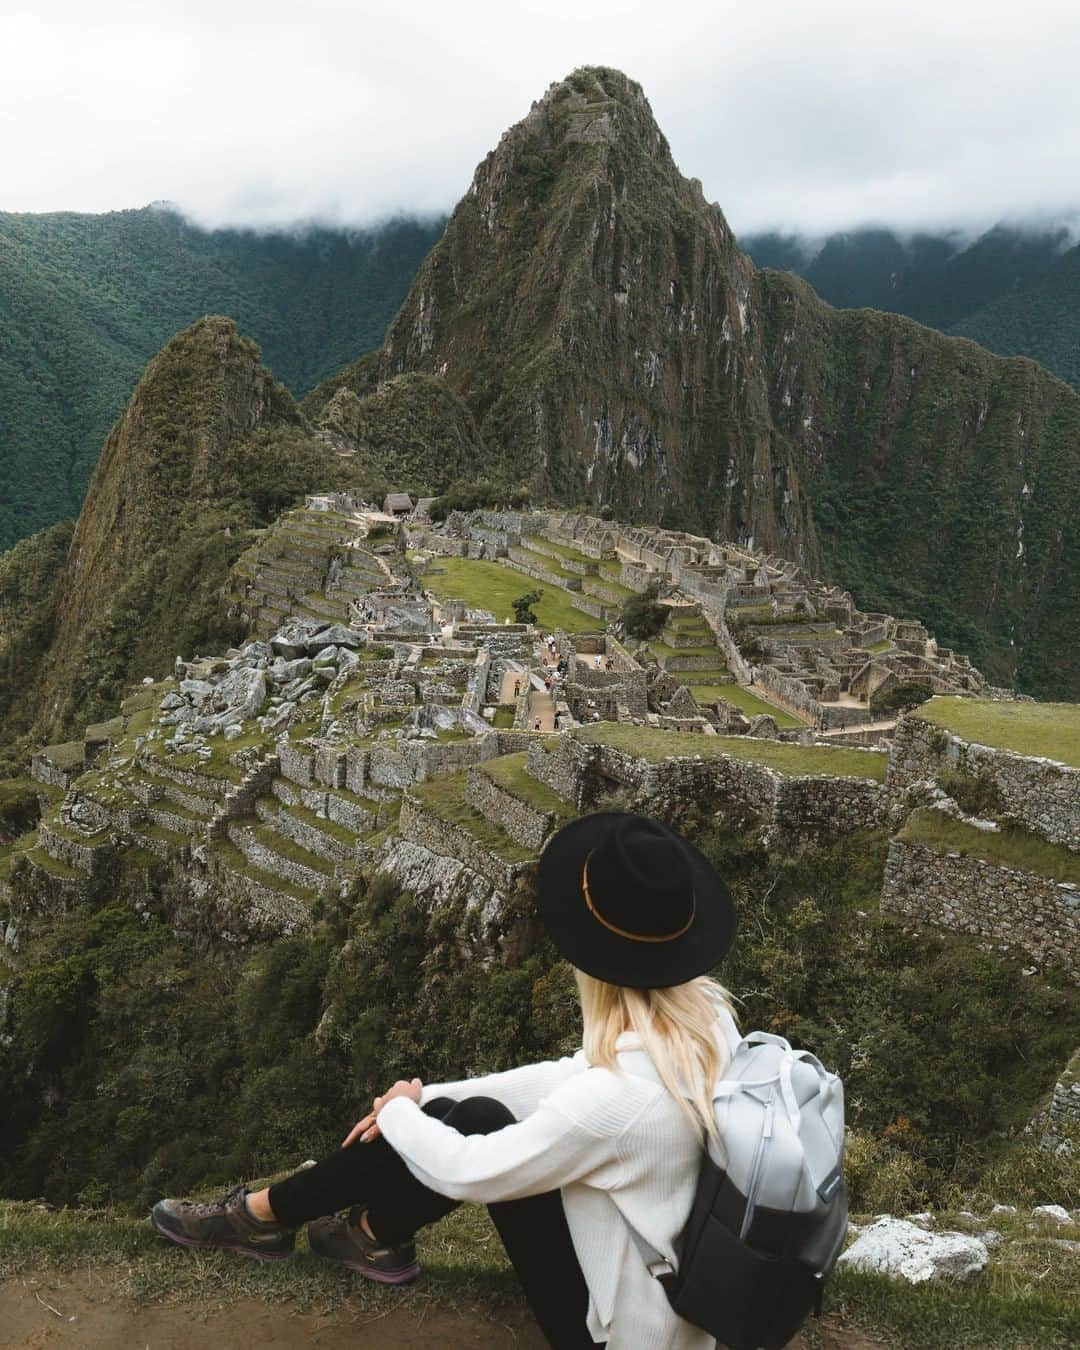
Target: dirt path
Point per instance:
(512, 679)
(43, 1312)
(49, 1312)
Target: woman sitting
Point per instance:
(567, 1153)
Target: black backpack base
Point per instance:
(752, 1292)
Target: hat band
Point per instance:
(622, 932)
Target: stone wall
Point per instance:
(308, 836)
(793, 808)
(275, 864)
(998, 904)
(823, 808)
(241, 908)
(790, 692)
(83, 856)
(441, 837)
(203, 785)
(523, 822)
(1043, 795)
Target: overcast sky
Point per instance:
(794, 114)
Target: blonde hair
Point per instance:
(678, 1031)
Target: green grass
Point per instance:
(289, 848)
(48, 863)
(445, 798)
(232, 858)
(503, 719)
(562, 550)
(487, 585)
(217, 765)
(330, 827)
(508, 771)
(542, 560)
(654, 745)
(1047, 729)
(1009, 847)
(883, 646)
(659, 649)
(748, 702)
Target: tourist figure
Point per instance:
(599, 659)
(537, 726)
(574, 1149)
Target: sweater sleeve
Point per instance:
(520, 1090)
(556, 1144)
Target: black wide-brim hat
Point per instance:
(629, 901)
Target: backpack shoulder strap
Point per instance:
(658, 1266)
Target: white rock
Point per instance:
(903, 1250)
(1003, 1209)
(924, 1220)
(1055, 1213)
(992, 1238)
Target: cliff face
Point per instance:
(614, 345)
(592, 309)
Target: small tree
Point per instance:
(523, 611)
(900, 697)
(643, 616)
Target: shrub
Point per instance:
(642, 615)
(900, 698)
(523, 611)
(975, 794)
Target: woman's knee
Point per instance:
(478, 1115)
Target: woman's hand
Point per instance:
(367, 1130)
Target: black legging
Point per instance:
(533, 1230)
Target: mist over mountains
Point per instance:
(1014, 288)
(86, 301)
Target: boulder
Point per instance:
(1052, 1213)
(171, 701)
(905, 1251)
(337, 635)
(290, 641)
(196, 691)
(244, 690)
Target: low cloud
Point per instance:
(809, 115)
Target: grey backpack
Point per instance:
(770, 1212)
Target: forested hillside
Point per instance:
(85, 301)
(1015, 291)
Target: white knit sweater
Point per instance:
(615, 1143)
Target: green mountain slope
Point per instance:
(209, 447)
(1042, 320)
(85, 301)
(614, 345)
(1011, 289)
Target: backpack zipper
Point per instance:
(755, 1173)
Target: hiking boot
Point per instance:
(347, 1244)
(223, 1223)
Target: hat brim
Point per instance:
(595, 949)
